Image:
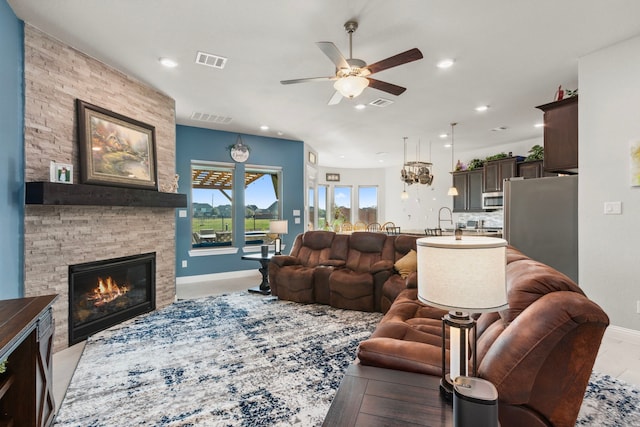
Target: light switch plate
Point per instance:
(182, 213)
(297, 220)
(612, 208)
(296, 212)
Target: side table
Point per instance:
(377, 397)
(264, 287)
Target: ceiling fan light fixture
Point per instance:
(351, 86)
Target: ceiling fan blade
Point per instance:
(386, 87)
(393, 61)
(334, 54)
(335, 99)
(310, 79)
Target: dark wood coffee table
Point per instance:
(376, 397)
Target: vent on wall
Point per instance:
(381, 102)
(211, 118)
(210, 60)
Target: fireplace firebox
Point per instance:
(105, 293)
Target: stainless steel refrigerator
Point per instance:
(541, 220)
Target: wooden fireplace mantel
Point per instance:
(53, 193)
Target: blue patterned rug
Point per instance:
(245, 360)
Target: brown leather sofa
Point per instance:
(539, 352)
(351, 271)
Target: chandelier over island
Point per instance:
(415, 172)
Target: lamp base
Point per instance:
(446, 388)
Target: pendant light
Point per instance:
(453, 191)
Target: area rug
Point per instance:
(246, 360)
(234, 360)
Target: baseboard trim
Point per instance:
(623, 334)
(227, 275)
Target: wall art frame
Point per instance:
(60, 172)
(115, 150)
(333, 177)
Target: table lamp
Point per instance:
(278, 227)
(464, 275)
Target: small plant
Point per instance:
(475, 164)
(3, 366)
(570, 93)
(536, 153)
(497, 157)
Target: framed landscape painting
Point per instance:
(114, 149)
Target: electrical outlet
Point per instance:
(184, 265)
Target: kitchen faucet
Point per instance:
(440, 220)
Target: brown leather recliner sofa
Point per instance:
(351, 271)
(539, 352)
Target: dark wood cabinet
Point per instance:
(533, 169)
(26, 342)
(561, 135)
(496, 171)
(469, 186)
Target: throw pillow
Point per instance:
(407, 264)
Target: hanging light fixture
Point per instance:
(351, 86)
(453, 191)
(415, 172)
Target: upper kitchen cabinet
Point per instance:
(469, 186)
(561, 135)
(495, 171)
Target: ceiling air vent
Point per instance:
(381, 102)
(211, 118)
(210, 60)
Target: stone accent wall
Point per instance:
(58, 236)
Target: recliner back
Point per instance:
(367, 248)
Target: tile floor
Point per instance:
(619, 354)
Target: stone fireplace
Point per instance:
(57, 236)
(107, 292)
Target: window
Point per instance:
(368, 204)
(262, 202)
(212, 204)
(322, 207)
(312, 208)
(341, 204)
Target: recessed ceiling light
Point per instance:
(381, 153)
(445, 63)
(447, 145)
(381, 161)
(538, 125)
(444, 135)
(264, 127)
(168, 62)
(360, 107)
(482, 108)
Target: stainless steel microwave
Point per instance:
(492, 200)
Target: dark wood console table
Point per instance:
(26, 342)
(377, 397)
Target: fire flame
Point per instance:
(107, 291)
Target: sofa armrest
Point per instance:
(412, 280)
(332, 263)
(283, 260)
(392, 353)
(381, 265)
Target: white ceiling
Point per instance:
(510, 54)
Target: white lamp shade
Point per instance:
(279, 226)
(467, 275)
(351, 86)
(453, 191)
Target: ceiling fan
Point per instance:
(352, 75)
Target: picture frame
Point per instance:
(634, 162)
(312, 158)
(333, 177)
(61, 173)
(115, 150)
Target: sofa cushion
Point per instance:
(407, 264)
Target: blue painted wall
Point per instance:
(12, 157)
(210, 145)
